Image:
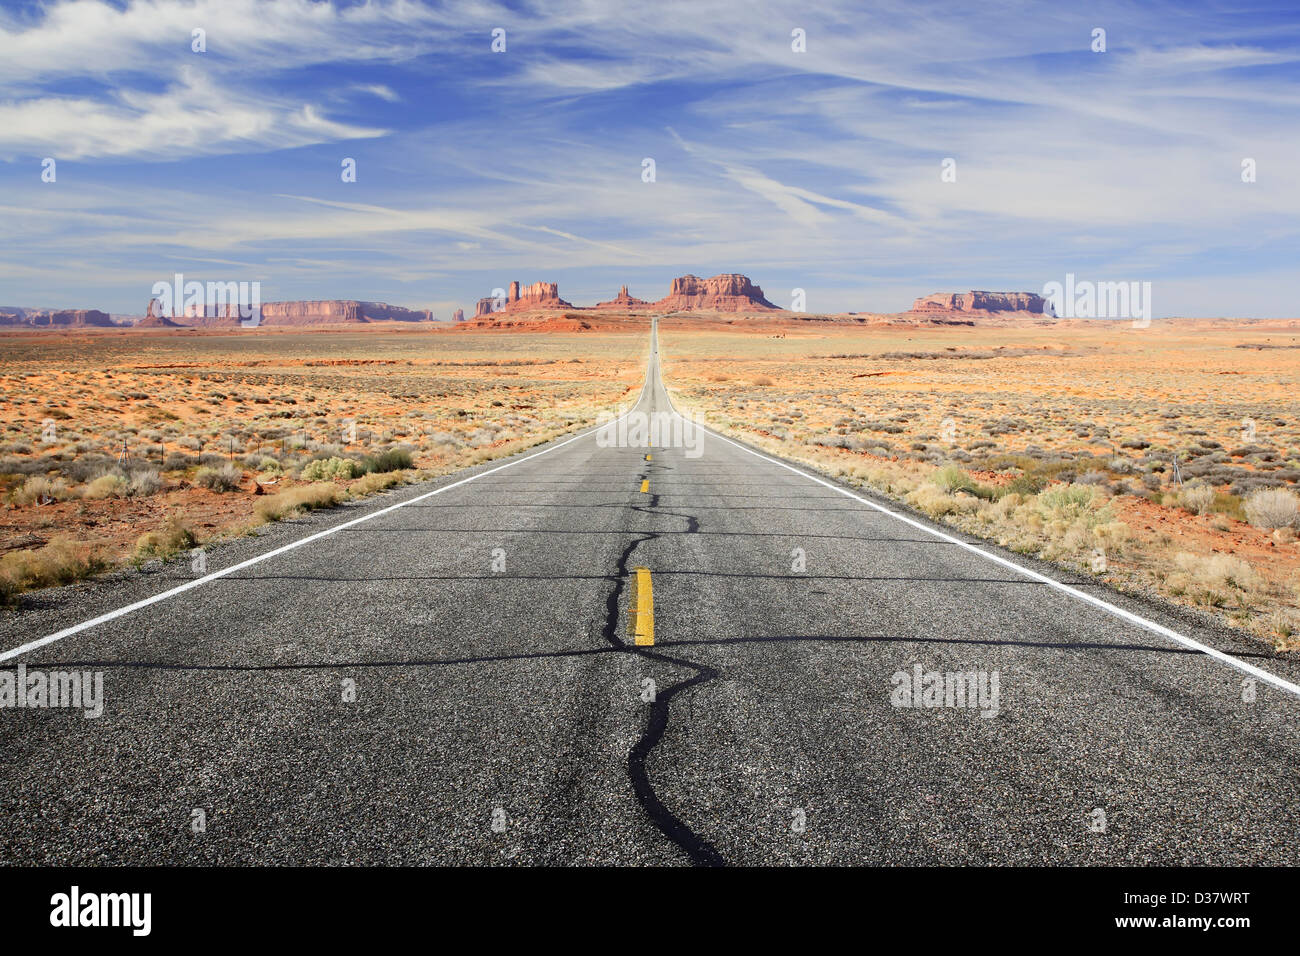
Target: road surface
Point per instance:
(502, 713)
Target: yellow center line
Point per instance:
(645, 486)
(641, 608)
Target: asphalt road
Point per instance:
(503, 715)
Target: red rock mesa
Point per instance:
(539, 295)
(729, 292)
(978, 301)
(320, 312)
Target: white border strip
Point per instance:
(1119, 612)
(181, 589)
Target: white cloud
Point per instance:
(218, 101)
(193, 117)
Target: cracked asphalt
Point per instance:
(513, 696)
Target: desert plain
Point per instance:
(1161, 460)
(124, 447)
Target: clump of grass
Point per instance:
(320, 495)
(1070, 503)
(376, 481)
(1028, 485)
(952, 478)
(763, 380)
(172, 537)
(111, 485)
(394, 459)
(1215, 580)
(1229, 505)
(936, 503)
(224, 478)
(59, 562)
(1284, 622)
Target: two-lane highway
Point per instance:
(451, 677)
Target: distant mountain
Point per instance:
(54, 318)
(980, 301)
(296, 313)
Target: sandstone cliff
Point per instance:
(539, 295)
(729, 292)
(57, 318)
(335, 311)
(317, 312)
(979, 301)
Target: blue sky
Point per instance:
(818, 170)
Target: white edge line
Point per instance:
(181, 589)
(1251, 669)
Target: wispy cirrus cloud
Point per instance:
(818, 169)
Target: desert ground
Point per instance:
(1163, 460)
(128, 446)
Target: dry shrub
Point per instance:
(1273, 508)
(763, 380)
(1197, 498)
(1214, 580)
(327, 469)
(38, 488)
(320, 495)
(225, 478)
(145, 483)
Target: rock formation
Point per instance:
(459, 316)
(318, 312)
(979, 301)
(332, 311)
(729, 292)
(622, 301)
(155, 321)
(57, 318)
(539, 295)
